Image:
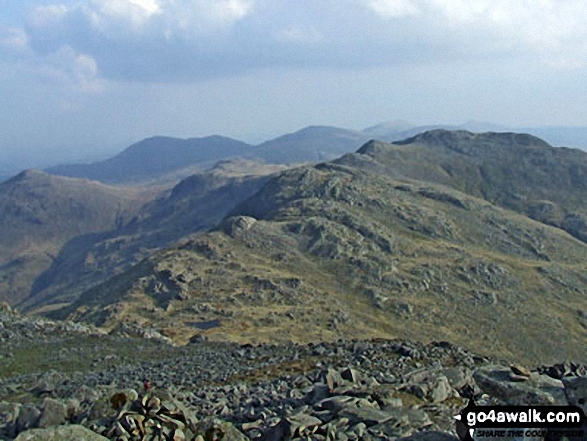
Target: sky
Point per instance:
(83, 79)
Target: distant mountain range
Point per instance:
(467, 237)
(165, 159)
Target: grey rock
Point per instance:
(458, 377)
(100, 409)
(303, 424)
(430, 385)
(440, 390)
(178, 435)
(418, 418)
(339, 402)
(576, 392)
(8, 416)
(318, 392)
(385, 395)
(278, 432)
(235, 226)
(358, 430)
(27, 418)
(60, 433)
(53, 414)
(369, 416)
(333, 379)
(351, 375)
(537, 390)
(222, 430)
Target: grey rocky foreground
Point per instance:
(345, 390)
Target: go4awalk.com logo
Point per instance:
(476, 423)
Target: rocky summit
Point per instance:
(121, 386)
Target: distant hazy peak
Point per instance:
(313, 131)
(397, 125)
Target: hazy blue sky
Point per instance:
(89, 76)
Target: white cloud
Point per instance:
(14, 40)
(166, 16)
(48, 15)
(204, 16)
(544, 27)
(300, 35)
(85, 71)
(76, 71)
(229, 10)
(135, 12)
(168, 40)
(394, 8)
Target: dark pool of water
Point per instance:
(205, 325)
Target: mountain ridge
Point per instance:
(365, 247)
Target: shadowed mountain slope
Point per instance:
(41, 212)
(196, 204)
(369, 246)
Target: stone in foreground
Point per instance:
(60, 433)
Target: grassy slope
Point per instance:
(343, 251)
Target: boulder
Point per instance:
(537, 390)
(218, 429)
(9, 413)
(234, 226)
(53, 414)
(28, 418)
(431, 385)
(60, 433)
(303, 424)
(370, 416)
(576, 392)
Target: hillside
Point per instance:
(40, 212)
(194, 205)
(360, 248)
